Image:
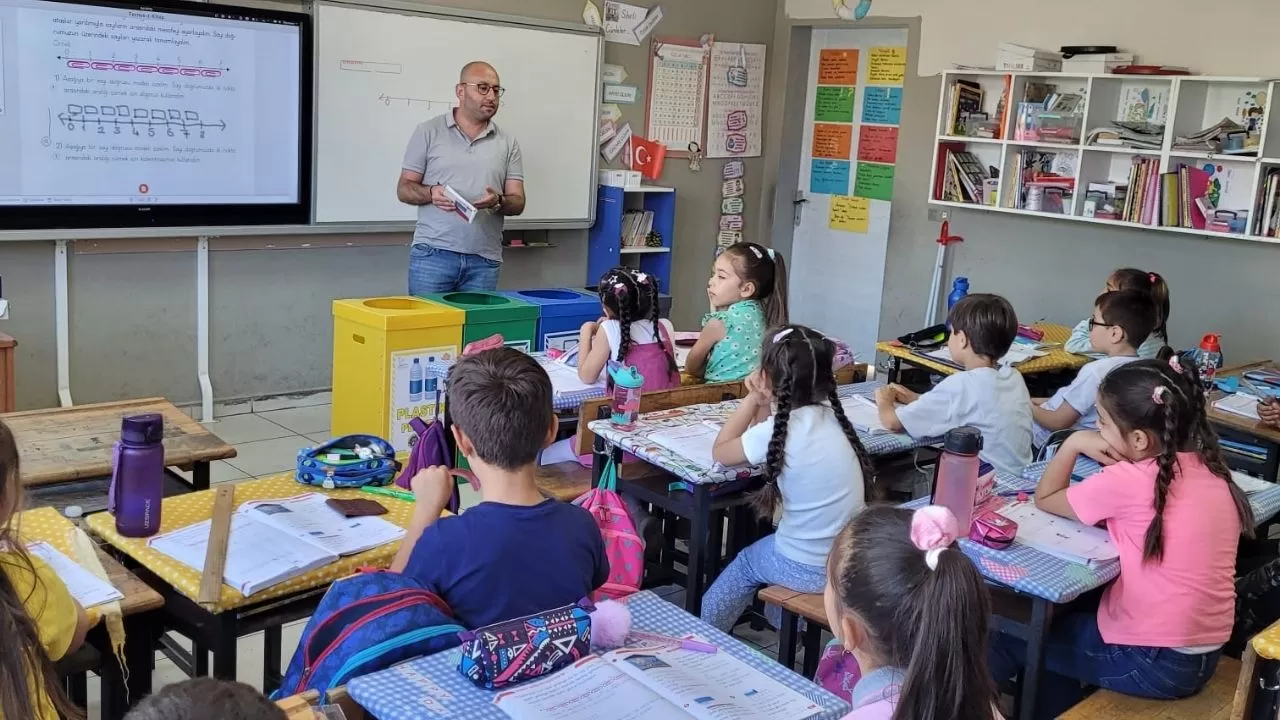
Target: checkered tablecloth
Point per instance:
(432, 687)
(562, 401)
(635, 438)
(1265, 503)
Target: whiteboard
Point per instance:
(380, 73)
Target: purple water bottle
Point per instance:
(137, 477)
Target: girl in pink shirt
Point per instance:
(1168, 502)
(913, 612)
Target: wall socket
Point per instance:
(938, 215)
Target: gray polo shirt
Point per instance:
(445, 156)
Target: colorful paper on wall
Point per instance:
(829, 177)
(734, 169)
(882, 105)
(610, 113)
(591, 15)
(832, 141)
(834, 104)
(730, 222)
(608, 131)
(621, 94)
(735, 101)
(732, 188)
(629, 24)
(732, 206)
(613, 74)
(877, 144)
(614, 147)
(838, 67)
(677, 93)
(851, 214)
(888, 66)
(874, 182)
(725, 238)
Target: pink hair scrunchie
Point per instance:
(933, 529)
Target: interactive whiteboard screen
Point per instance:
(118, 114)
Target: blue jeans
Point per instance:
(1075, 653)
(433, 270)
(759, 564)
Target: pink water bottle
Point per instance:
(955, 478)
(627, 386)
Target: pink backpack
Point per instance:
(651, 361)
(622, 543)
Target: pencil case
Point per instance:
(515, 651)
(993, 530)
(1030, 333)
(350, 461)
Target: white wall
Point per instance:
(1052, 269)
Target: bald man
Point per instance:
(464, 149)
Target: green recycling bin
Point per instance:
(488, 313)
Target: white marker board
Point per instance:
(380, 73)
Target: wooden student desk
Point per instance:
(138, 608)
(1056, 361)
(76, 444)
(1243, 429)
(235, 615)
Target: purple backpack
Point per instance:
(432, 448)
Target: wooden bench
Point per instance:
(567, 481)
(1214, 702)
(796, 605)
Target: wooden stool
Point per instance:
(1212, 703)
(8, 386)
(795, 606)
(302, 707)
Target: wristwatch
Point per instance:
(498, 208)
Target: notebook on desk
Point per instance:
(1061, 537)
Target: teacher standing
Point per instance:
(466, 150)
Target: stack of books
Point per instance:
(636, 226)
(965, 178)
(1139, 135)
(1184, 198)
(1227, 137)
(1143, 197)
(1266, 221)
(966, 107)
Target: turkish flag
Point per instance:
(647, 156)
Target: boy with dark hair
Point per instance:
(1120, 323)
(984, 395)
(516, 553)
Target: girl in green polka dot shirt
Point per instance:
(748, 293)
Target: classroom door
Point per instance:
(853, 106)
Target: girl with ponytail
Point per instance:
(1167, 499)
(630, 332)
(815, 468)
(40, 622)
(913, 612)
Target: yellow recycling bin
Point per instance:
(390, 359)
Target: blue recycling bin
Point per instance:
(561, 313)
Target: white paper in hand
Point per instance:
(465, 210)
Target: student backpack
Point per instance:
(366, 623)
(622, 543)
(432, 448)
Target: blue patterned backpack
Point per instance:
(366, 623)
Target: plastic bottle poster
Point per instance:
(417, 388)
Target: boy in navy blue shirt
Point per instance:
(516, 553)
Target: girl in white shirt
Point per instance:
(792, 422)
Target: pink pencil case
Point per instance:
(993, 530)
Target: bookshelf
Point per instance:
(1184, 105)
(605, 248)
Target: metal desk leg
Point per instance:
(812, 649)
(1037, 635)
(224, 646)
(200, 476)
(787, 639)
(715, 548)
(271, 641)
(698, 537)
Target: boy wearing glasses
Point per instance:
(467, 151)
(1120, 323)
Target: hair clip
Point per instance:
(642, 277)
(770, 252)
(755, 249)
(1153, 277)
(933, 529)
(619, 288)
(1158, 393)
(1176, 364)
(782, 334)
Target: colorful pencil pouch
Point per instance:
(993, 530)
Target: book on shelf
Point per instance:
(1267, 218)
(1225, 137)
(273, 541)
(942, 166)
(966, 178)
(656, 681)
(966, 101)
(1137, 135)
(1043, 181)
(636, 226)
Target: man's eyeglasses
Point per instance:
(485, 88)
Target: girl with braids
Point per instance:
(748, 293)
(814, 467)
(1175, 516)
(913, 611)
(39, 620)
(630, 332)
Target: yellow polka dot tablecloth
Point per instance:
(183, 510)
(1267, 643)
(1056, 359)
(47, 525)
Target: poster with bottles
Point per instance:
(417, 389)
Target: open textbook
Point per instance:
(88, 589)
(274, 540)
(863, 414)
(655, 681)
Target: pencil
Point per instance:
(389, 492)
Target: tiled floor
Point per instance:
(267, 442)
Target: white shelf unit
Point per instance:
(1191, 102)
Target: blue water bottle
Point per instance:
(959, 288)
